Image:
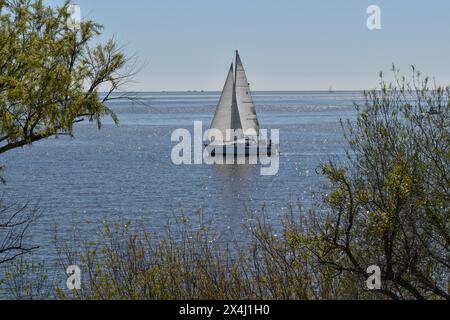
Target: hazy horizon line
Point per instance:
(253, 91)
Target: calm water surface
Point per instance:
(126, 171)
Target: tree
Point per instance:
(389, 202)
(50, 79)
(50, 74)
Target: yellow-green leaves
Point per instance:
(389, 198)
(380, 222)
(51, 75)
(399, 180)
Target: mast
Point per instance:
(236, 120)
(235, 67)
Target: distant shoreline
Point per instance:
(254, 92)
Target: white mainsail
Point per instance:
(227, 114)
(236, 110)
(247, 110)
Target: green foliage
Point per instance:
(190, 262)
(25, 279)
(389, 205)
(50, 75)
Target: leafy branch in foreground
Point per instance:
(50, 75)
(191, 262)
(389, 204)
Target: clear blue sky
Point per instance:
(285, 45)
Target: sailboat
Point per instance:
(236, 119)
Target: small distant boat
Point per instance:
(435, 111)
(236, 111)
